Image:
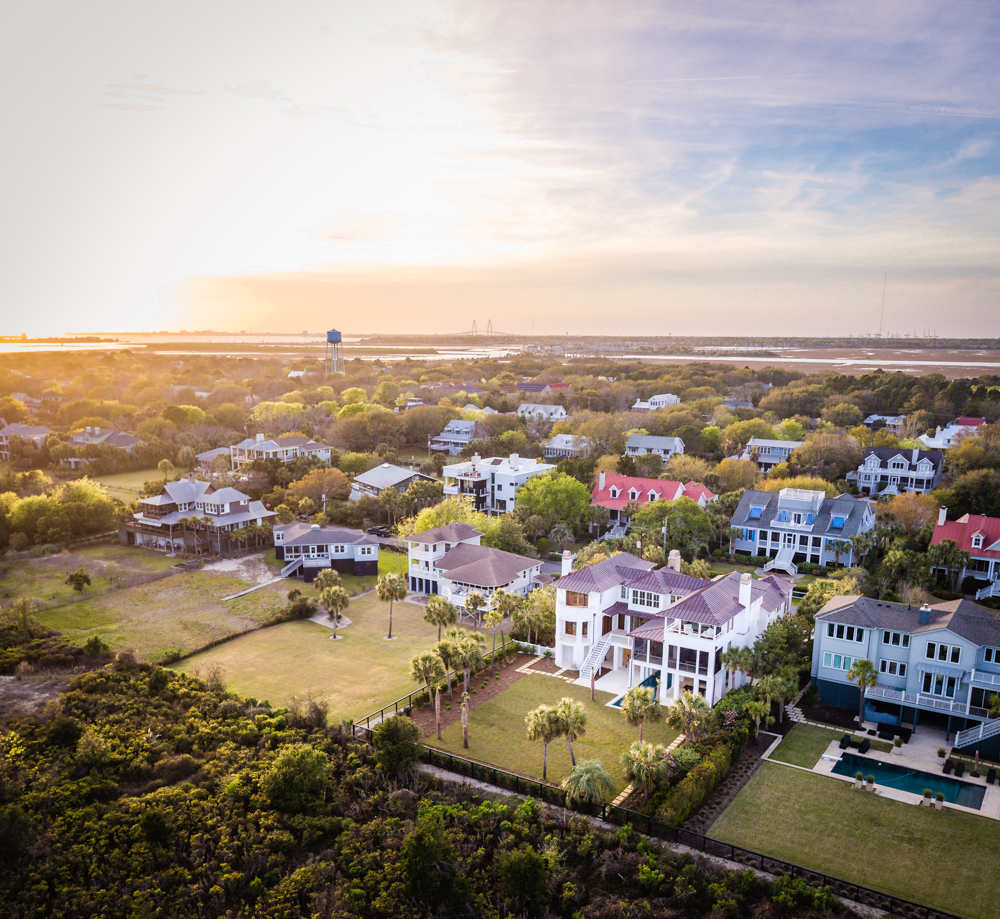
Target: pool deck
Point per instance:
(919, 754)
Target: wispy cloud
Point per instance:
(255, 89)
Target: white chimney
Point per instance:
(600, 481)
(916, 451)
(260, 438)
(515, 460)
(90, 430)
(745, 580)
(567, 563)
(475, 463)
(942, 516)
(674, 560)
(97, 432)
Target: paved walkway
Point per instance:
(559, 674)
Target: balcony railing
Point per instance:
(921, 700)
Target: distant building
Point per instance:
(621, 494)
(36, 434)
(207, 459)
(377, 480)
(565, 446)
(309, 549)
(892, 470)
(769, 453)
(948, 437)
(286, 448)
(980, 537)
(645, 444)
(457, 434)
(532, 411)
(492, 483)
(105, 437)
(891, 423)
(661, 400)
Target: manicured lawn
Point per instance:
(804, 745)
(356, 675)
(127, 486)
(44, 578)
(944, 860)
(387, 562)
(497, 731)
(183, 612)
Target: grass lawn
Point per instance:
(944, 860)
(44, 578)
(804, 745)
(180, 612)
(497, 731)
(127, 486)
(355, 675)
(387, 562)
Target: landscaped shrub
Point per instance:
(692, 790)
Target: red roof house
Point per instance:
(977, 535)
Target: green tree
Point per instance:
(429, 861)
(390, 588)
(588, 782)
(543, 725)
(572, 718)
(326, 579)
(645, 767)
(821, 592)
(493, 620)
(640, 705)
(79, 580)
(556, 498)
(468, 650)
(756, 710)
(447, 650)
(690, 714)
(949, 558)
(429, 669)
(865, 674)
(474, 602)
(440, 612)
(297, 778)
(465, 720)
(397, 745)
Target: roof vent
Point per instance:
(924, 616)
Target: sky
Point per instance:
(685, 167)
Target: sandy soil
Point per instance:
(249, 568)
(20, 697)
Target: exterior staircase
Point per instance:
(783, 560)
(291, 568)
(990, 590)
(597, 654)
(976, 734)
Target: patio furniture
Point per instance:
(855, 742)
(885, 734)
(866, 745)
(991, 776)
(906, 734)
(959, 769)
(948, 766)
(845, 741)
(872, 732)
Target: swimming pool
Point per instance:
(912, 780)
(653, 681)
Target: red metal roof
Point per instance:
(666, 489)
(962, 530)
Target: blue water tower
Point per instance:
(334, 359)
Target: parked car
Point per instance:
(379, 531)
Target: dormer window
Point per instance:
(977, 541)
(837, 522)
(653, 495)
(755, 512)
(614, 492)
(632, 494)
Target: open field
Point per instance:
(182, 612)
(127, 486)
(804, 744)
(44, 578)
(497, 732)
(945, 860)
(355, 675)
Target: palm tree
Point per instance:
(390, 588)
(645, 766)
(440, 612)
(560, 537)
(733, 659)
(639, 704)
(448, 652)
(465, 720)
(494, 619)
(474, 602)
(757, 710)
(588, 782)
(543, 725)
(863, 673)
(507, 603)
(689, 713)
(767, 688)
(334, 600)
(469, 651)
(327, 578)
(572, 722)
(429, 669)
(534, 528)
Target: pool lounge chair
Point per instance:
(959, 769)
(866, 745)
(991, 776)
(948, 766)
(845, 741)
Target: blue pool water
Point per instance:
(653, 681)
(892, 776)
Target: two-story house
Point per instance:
(891, 423)
(457, 434)
(937, 666)
(34, 434)
(660, 400)
(450, 561)
(949, 436)
(535, 411)
(565, 446)
(99, 437)
(663, 447)
(622, 495)
(286, 449)
(621, 618)
(492, 483)
(892, 470)
(192, 514)
(308, 549)
(769, 453)
(800, 525)
(980, 537)
(384, 476)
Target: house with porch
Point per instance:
(660, 400)
(194, 515)
(308, 549)
(491, 484)
(892, 470)
(980, 537)
(663, 447)
(622, 495)
(937, 666)
(286, 448)
(450, 561)
(536, 411)
(769, 453)
(457, 434)
(800, 525)
(34, 434)
(566, 446)
(622, 619)
(384, 476)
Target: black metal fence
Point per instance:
(619, 816)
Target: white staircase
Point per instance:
(783, 560)
(597, 654)
(990, 590)
(979, 732)
(291, 568)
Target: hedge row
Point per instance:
(691, 791)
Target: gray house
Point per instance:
(377, 480)
(457, 434)
(769, 453)
(664, 447)
(799, 525)
(309, 549)
(891, 470)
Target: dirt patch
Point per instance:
(21, 697)
(508, 673)
(249, 568)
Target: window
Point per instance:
(796, 518)
(837, 522)
(755, 512)
(939, 685)
(570, 628)
(844, 632)
(783, 515)
(837, 661)
(614, 492)
(624, 592)
(583, 631)
(645, 598)
(977, 541)
(991, 655)
(632, 494)
(573, 598)
(893, 668)
(941, 652)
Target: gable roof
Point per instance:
(667, 489)
(652, 440)
(962, 530)
(450, 532)
(387, 475)
(17, 429)
(482, 566)
(850, 508)
(305, 534)
(604, 575)
(910, 456)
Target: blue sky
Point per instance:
(661, 168)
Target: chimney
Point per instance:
(475, 463)
(190, 476)
(924, 616)
(97, 432)
(90, 430)
(260, 438)
(515, 460)
(600, 481)
(674, 560)
(745, 581)
(942, 516)
(567, 563)
(916, 452)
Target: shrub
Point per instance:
(939, 796)
(397, 745)
(297, 778)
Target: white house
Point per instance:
(492, 483)
(457, 434)
(661, 400)
(643, 444)
(287, 448)
(621, 617)
(532, 411)
(309, 549)
(947, 437)
(769, 453)
(891, 470)
(450, 561)
(565, 446)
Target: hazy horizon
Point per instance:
(686, 168)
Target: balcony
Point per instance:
(920, 700)
(451, 489)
